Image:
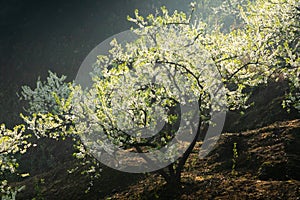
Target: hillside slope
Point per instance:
(267, 152)
(267, 167)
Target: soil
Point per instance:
(267, 167)
(267, 163)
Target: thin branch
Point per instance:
(184, 67)
(224, 59)
(242, 67)
(194, 40)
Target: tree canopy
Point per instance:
(168, 84)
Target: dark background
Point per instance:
(37, 36)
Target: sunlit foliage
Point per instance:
(178, 50)
(11, 142)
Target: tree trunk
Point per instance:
(173, 186)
